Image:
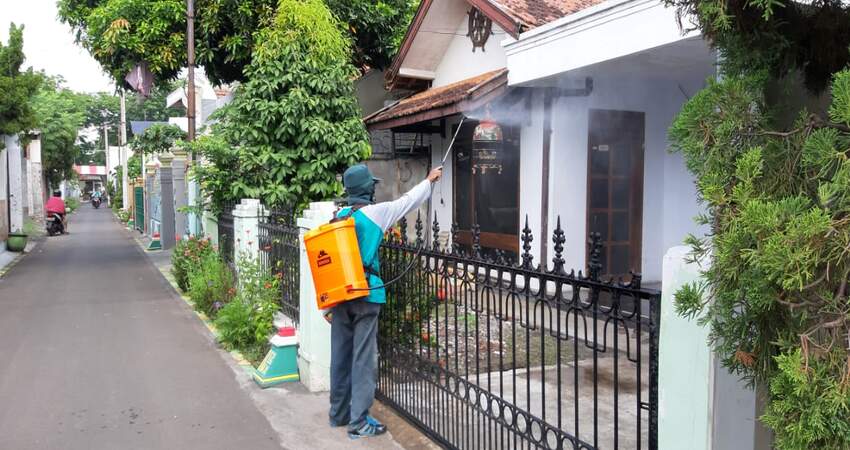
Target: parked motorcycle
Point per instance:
(55, 225)
(95, 201)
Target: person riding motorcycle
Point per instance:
(96, 198)
(55, 205)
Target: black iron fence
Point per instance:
(483, 352)
(279, 254)
(226, 234)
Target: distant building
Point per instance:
(208, 99)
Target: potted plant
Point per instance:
(17, 241)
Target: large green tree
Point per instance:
(104, 109)
(60, 115)
(16, 88)
(159, 138)
(122, 33)
(375, 27)
(777, 195)
(775, 37)
(295, 123)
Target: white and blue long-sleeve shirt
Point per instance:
(370, 224)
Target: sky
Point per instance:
(49, 45)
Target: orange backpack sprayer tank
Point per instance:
(334, 253)
(335, 263)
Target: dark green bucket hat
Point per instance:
(359, 184)
(358, 175)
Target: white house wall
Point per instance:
(669, 197)
(442, 199)
(670, 201)
(459, 62)
(531, 168)
(604, 32)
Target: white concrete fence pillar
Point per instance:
(178, 175)
(16, 191)
(166, 183)
(27, 185)
(701, 405)
(194, 219)
(37, 179)
(4, 195)
(246, 221)
(150, 174)
(314, 353)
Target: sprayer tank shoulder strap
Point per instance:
(338, 217)
(351, 211)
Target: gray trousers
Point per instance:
(354, 361)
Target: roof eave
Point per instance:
(407, 42)
(476, 97)
(511, 25)
(507, 22)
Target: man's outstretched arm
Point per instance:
(386, 214)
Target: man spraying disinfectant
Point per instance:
(354, 323)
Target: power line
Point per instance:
(455, 33)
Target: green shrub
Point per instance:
(123, 216)
(246, 323)
(211, 286)
(775, 294)
(234, 324)
(810, 404)
(72, 203)
(186, 259)
(295, 122)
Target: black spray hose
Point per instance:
(397, 278)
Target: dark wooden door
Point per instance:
(486, 190)
(615, 187)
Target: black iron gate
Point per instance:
(482, 352)
(280, 256)
(226, 234)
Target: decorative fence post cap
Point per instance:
(179, 152)
(166, 158)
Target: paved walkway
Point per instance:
(96, 353)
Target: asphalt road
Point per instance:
(97, 353)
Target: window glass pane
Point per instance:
(620, 195)
(619, 260)
(620, 226)
(463, 197)
(599, 193)
(621, 159)
(496, 180)
(599, 160)
(463, 177)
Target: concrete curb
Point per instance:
(33, 244)
(5, 269)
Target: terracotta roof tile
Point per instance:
(535, 13)
(435, 97)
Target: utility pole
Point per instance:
(108, 166)
(191, 193)
(190, 41)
